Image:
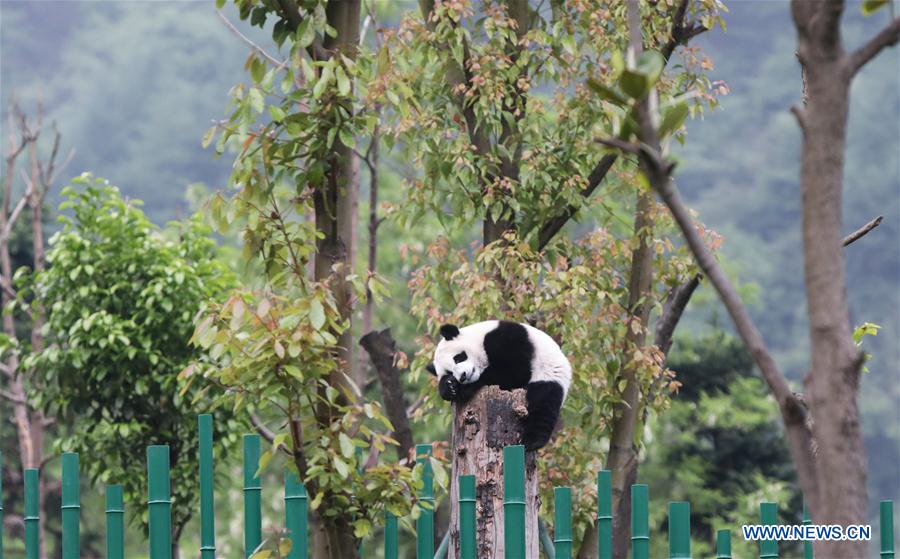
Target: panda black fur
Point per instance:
(509, 355)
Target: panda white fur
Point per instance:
(509, 355)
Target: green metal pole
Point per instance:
(159, 501)
(425, 522)
(444, 546)
(807, 545)
(32, 520)
(467, 518)
(514, 502)
(604, 514)
(252, 496)
(562, 530)
(295, 515)
(679, 530)
(71, 505)
(886, 508)
(391, 541)
(207, 503)
(768, 516)
(546, 541)
(640, 521)
(115, 522)
(723, 544)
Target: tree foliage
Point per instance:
(120, 297)
(495, 103)
(274, 345)
(720, 445)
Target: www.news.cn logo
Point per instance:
(810, 532)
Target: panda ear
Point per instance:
(449, 331)
(430, 368)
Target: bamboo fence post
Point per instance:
(252, 496)
(70, 507)
(159, 502)
(115, 522)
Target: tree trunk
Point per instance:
(833, 381)
(491, 420)
(623, 455)
(335, 216)
(380, 346)
(333, 538)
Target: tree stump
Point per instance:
(481, 428)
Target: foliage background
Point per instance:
(136, 98)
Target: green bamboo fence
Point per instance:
(425, 522)
(159, 510)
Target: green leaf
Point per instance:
(343, 82)
(347, 448)
(208, 136)
(651, 64)
(323, 81)
(347, 137)
(634, 84)
(342, 468)
(256, 100)
(606, 93)
(869, 7)
(306, 33)
(673, 119)
(316, 314)
(361, 528)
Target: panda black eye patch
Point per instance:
(460, 357)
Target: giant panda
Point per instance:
(509, 355)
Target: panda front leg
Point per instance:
(544, 400)
(452, 390)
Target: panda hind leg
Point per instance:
(544, 400)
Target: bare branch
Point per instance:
(381, 348)
(627, 147)
(13, 398)
(862, 231)
(887, 37)
(250, 43)
(14, 215)
(673, 309)
(261, 428)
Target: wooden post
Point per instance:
(490, 421)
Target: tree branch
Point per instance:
(277, 63)
(261, 428)
(673, 309)
(459, 76)
(681, 33)
(862, 231)
(552, 227)
(291, 12)
(13, 398)
(887, 37)
(381, 348)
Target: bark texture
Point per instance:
(481, 428)
(381, 348)
(832, 384)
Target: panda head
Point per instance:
(458, 354)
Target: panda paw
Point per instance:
(534, 441)
(448, 388)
